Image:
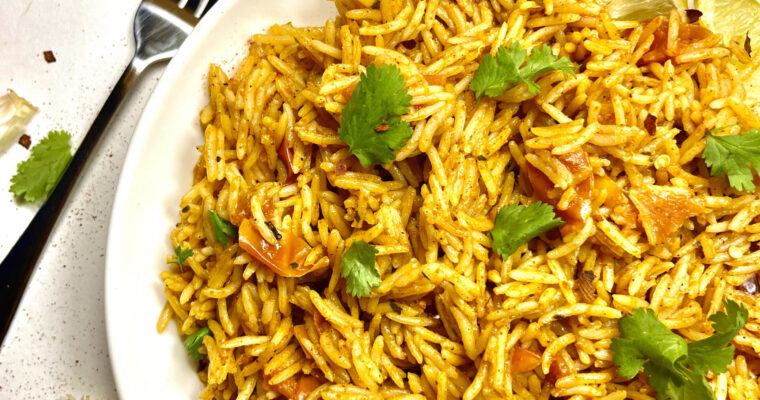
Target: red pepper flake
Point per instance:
(409, 44)
(382, 128)
(693, 15)
(650, 124)
(748, 45)
(25, 141)
(49, 56)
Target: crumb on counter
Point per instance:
(25, 141)
(49, 56)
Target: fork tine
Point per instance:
(201, 8)
(210, 4)
(197, 7)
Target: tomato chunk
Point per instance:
(297, 389)
(285, 154)
(242, 209)
(524, 360)
(579, 209)
(437, 80)
(349, 90)
(557, 370)
(285, 258)
(613, 194)
(663, 209)
(688, 36)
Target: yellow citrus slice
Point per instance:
(736, 18)
(640, 10)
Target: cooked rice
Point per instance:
(463, 310)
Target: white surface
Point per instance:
(156, 174)
(57, 343)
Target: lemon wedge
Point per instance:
(641, 10)
(731, 18)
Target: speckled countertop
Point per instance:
(56, 345)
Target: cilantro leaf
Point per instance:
(36, 177)
(371, 125)
(358, 267)
(676, 370)
(181, 256)
(222, 228)
(497, 74)
(194, 341)
(643, 338)
(712, 352)
(517, 224)
(734, 155)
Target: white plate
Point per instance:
(156, 173)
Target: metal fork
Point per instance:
(160, 27)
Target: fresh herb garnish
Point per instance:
(517, 224)
(222, 228)
(497, 74)
(676, 370)
(735, 156)
(36, 177)
(371, 125)
(194, 341)
(358, 267)
(395, 307)
(181, 256)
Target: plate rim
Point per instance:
(128, 170)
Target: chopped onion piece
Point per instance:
(15, 114)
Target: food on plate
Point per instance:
(456, 199)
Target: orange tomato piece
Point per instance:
(297, 389)
(242, 208)
(689, 38)
(557, 370)
(604, 185)
(524, 360)
(435, 80)
(285, 154)
(285, 258)
(663, 209)
(579, 208)
(348, 91)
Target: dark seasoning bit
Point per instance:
(274, 230)
(586, 286)
(409, 44)
(25, 141)
(748, 45)
(49, 56)
(650, 124)
(693, 15)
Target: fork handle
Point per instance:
(18, 265)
